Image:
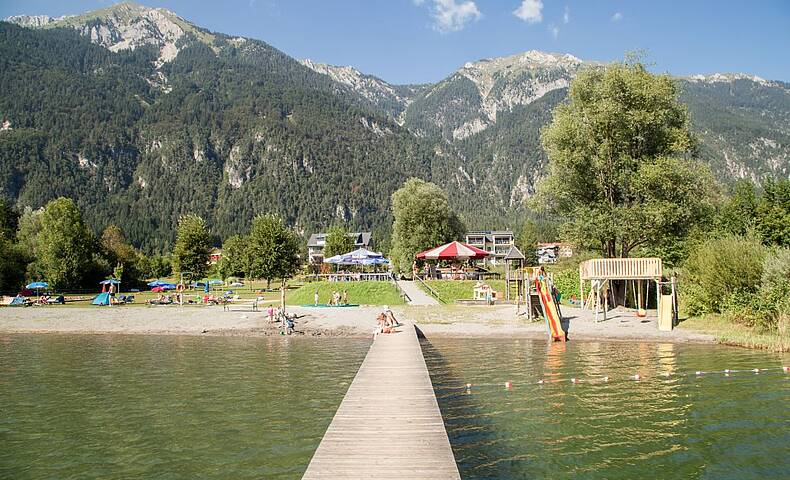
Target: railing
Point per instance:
(431, 291)
(349, 277)
(621, 269)
(405, 296)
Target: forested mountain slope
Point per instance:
(141, 117)
(238, 129)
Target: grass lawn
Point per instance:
(730, 333)
(363, 293)
(451, 290)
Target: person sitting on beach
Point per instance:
(390, 317)
(383, 325)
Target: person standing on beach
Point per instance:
(270, 311)
(345, 297)
(315, 298)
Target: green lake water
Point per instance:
(106, 406)
(167, 407)
(682, 426)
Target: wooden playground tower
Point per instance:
(640, 271)
(519, 284)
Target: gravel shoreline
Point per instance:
(440, 321)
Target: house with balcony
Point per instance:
(317, 241)
(496, 242)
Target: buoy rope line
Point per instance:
(605, 378)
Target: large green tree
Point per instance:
(773, 213)
(64, 246)
(621, 167)
(338, 241)
(423, 219)
(193, 244)
(121, 255)
(272, 250)
(234, 260)
(738, 213)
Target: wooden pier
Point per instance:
(389, 424)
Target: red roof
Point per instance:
(453, 250)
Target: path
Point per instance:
(416, 294)
(389, 424)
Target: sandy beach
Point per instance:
(446, 321)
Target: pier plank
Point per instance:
(388, 425)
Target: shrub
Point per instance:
(723, 274)
(776, 271)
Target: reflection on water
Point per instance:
(683, 426)
(168, 407)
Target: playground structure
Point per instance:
(600, 272)
(551, 310)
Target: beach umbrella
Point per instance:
(158, 289)
(337, 259)
(363, 253)
(110, 281)
(37, 286)
(374, 261)
(215, 281)
(453, 251)
(163, 284)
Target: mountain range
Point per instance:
(142, 116)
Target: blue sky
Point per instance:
(413, 41)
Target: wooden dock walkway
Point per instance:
(389, 424)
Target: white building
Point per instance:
(496, 242)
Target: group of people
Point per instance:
(335, 300)
(386, 322)
(286, 321)
(46, 299)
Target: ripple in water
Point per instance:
(168, 407)
(683, 426)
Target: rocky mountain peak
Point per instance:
(730, 77)
(532, 59)
(124, 26)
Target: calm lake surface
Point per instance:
(105, 406)
(167, 407)
(685, 426)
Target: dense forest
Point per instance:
(238, 133)
(232, 128)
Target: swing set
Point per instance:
(639, 273)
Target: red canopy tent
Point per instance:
(453, 251)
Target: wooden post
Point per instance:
(658, 298)
(639, 295)
(282, 296)
(581, 291)
(674, 300)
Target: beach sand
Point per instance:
(433, 321)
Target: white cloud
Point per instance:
(529, 11)
(452, 16)
(555, 31)
(566, 17)
(617, 17)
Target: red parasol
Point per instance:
(453, 250)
